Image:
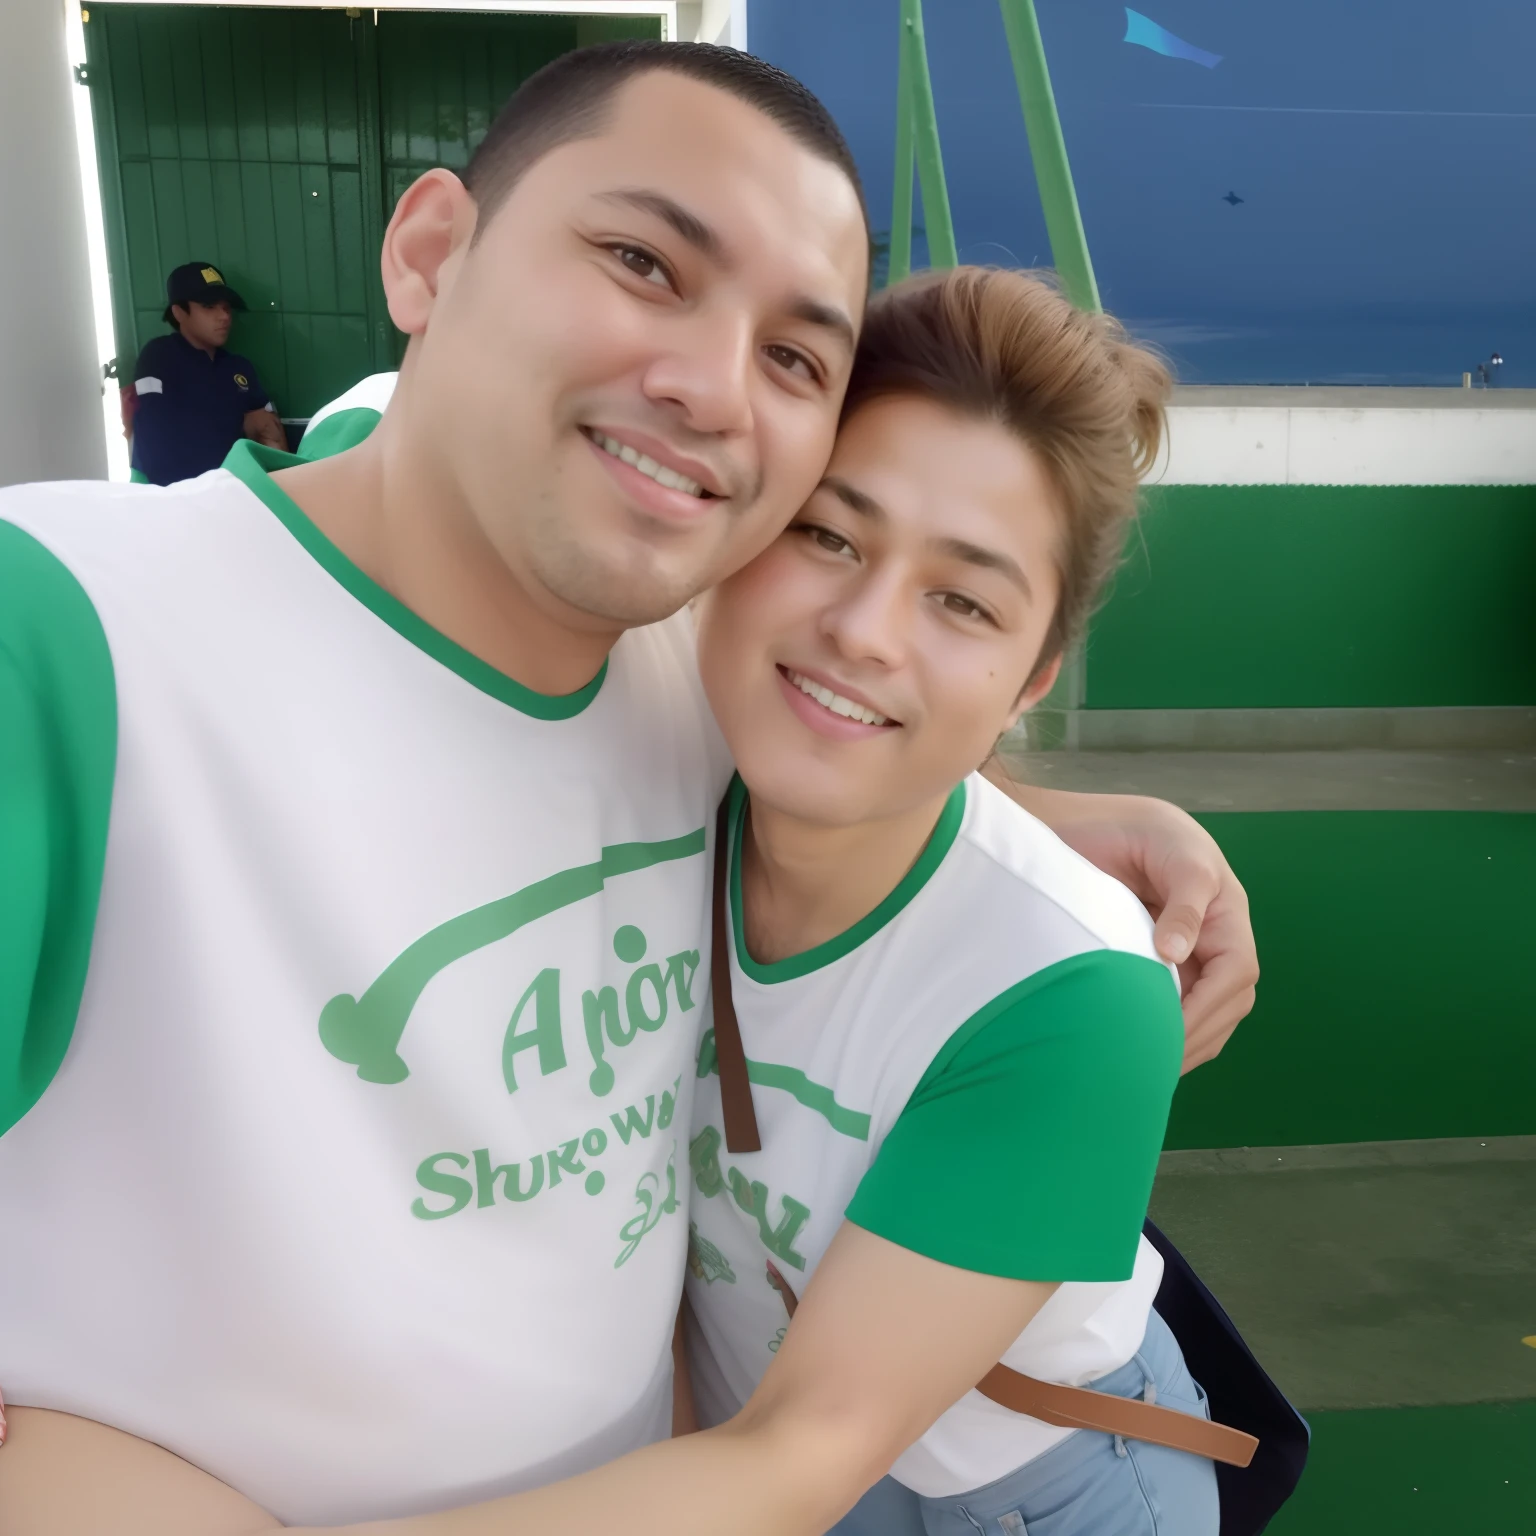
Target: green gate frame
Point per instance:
(917, 140)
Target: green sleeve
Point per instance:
(58, 745)
(1029, 1147)
(343, 430)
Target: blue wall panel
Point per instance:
(1384, 152)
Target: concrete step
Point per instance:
(1451, 729)
(1369, 1274)
(1294, 781)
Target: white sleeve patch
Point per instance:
(148, 387)
(270, 407)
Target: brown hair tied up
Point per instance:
(1006, 346)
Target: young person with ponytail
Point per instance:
(961, 1042)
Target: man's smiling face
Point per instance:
(636, 368)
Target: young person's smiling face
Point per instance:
(682, 289)
(869, 659)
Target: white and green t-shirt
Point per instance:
(349, 418)
(979, 1071)
(349, 1001)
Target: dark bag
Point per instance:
(1240, 1392)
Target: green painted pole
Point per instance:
(899, 263)
(1048, 150)
(925, 131)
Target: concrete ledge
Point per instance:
(1355, 397)
(1227, 436)
(1294, 781)
(1453, 729)
(1432, 1153)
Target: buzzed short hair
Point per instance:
(569, 99)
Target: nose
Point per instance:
(706, 372)
(870, 622)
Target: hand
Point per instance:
(1173, 864)
(265, 427)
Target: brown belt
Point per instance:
(1080, 1408)
(1065, 1407)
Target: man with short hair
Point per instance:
(193, 401)
(354, 819)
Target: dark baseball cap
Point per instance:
(199, 282)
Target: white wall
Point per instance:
(713, 21)
(50, 381)
(1407, 444)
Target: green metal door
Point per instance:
(244, 137)
(275, 143)
(443, 77)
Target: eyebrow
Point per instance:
(707, 242)
(853, 498)
(959, 549)
(989, 560)
(828, 316)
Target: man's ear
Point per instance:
(1036, 689)
(433, 221)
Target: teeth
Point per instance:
(835, 701)
(647, 466)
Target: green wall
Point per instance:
(1322, 596)
(444, 75)
(274, 143)
(238, 137)
(1463, 1471)
(1398, 995)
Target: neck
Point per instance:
(202, 346)
(803, 883)
(390, 508)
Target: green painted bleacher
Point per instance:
(1356, 1174)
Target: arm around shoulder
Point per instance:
(1175, 867)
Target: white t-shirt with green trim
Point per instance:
(349, 998)
(980, 1071)
(349, 418)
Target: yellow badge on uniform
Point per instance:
(242, 381)
(211, 275)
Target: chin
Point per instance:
(628, 592)
(810, 792)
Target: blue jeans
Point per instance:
(1090, 1484)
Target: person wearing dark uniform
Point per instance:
(193, 400)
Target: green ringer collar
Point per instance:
(252, 464)
(939, 843)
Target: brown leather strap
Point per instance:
(1080, 1408)
(741, 1133)
(1065, 1407)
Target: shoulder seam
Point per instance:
(1101, 940)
